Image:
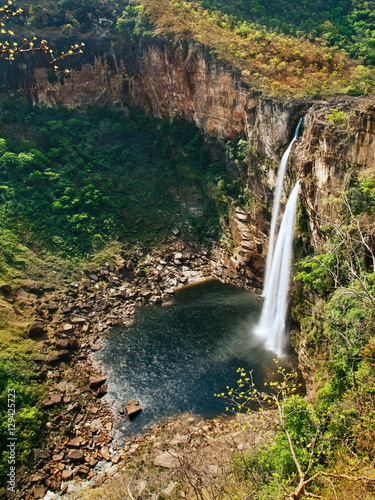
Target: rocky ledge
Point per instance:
(69, 325)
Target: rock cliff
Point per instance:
(183, 78)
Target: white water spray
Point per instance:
(276, 209)
(272, 322)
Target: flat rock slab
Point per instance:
(167, 460)
(41, 454)
(96, 382)
(35, 288)
(111, 471)
(66, 344)
(51, 400)
(104, 451)
(132, 402)
(66, 474)
(38, 491)
(132, 411)
(75, 442)
(76, 455)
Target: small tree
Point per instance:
(296, 455)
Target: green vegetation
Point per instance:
(346, 24)
(282, 49)
(269, 60)
(17, 376)
(337, 117)
(300, 442)
(337, 312)
(71, 185)
(72, 181)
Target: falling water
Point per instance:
(272, 322)
(276, 209)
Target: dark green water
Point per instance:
(175, 358)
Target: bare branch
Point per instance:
(10, 48)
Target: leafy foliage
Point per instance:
(271, 61)
(337, 117)
(71, 180)
(346, 24)
(298, 441)
(340, 331)
(16, 373)
(10, 46)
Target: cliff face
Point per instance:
(181, 78)
(332, 154)
(167, 80)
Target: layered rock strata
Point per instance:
(182, 78)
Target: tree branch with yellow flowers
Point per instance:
(9, 48)
(296, 458)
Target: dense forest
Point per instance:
(104, 176)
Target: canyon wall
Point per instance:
(182, 78)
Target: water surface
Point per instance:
(175, 358)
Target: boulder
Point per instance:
(63, 355)
(83, 470)
(76, 455)
(78, 320)
(96, 426)
(53, 358)
(22, 293)
(75, 442)
(99, 480)
(102, 391)
(62, 344)
(132, 408)
(38, 491)
(66, 474)
(44, 454)
(104, 451)
(52, 307)
(168, 460)
(133, 402)
(52, 399)
(36, 330)
(35, 288)
(111, 471)
(96, 382)
(5, 289)
(66, 344)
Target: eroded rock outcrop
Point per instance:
(331, 154)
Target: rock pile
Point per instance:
(70, 325)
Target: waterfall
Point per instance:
(276, 209)
(272, 322)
